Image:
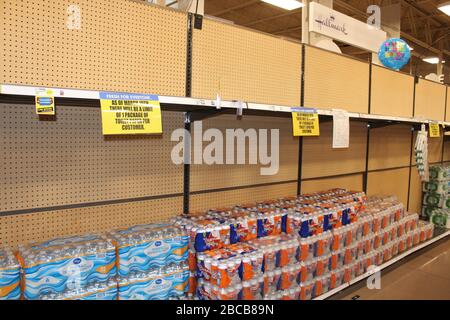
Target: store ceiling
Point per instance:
(425, 27)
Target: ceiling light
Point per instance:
(445, 8)
(410, 48)
(285, 4)
(432, 60)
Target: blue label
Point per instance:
(127, 96)
(45, 101)
(77, 261)
(304, 110)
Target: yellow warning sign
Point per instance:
(435, 130)
(305, 122)
(125, 113)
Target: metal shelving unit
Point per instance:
(192, 104)
(198, 109)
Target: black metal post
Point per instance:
(369, 109)
(187, 120)
(187, 164)
(300, 140)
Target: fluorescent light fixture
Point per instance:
(445, 8)
(285, 4)
(432, 60)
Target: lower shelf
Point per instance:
(383, 266)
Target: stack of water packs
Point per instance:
(93, 291)
(152, 262)
(436, 190)
(9, 276)
(440, 218)
(69, 268)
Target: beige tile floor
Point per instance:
(424, 275)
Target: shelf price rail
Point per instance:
(192, 104)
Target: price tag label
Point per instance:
(45, 102)
(305, 122)
(435, 130)
(124, 113)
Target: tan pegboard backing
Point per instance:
(392, 93)
(447, 150)
(202, 202)
(389, 182)
(447, 114)
(415, 196)
(321, 160)
(241, 64)
(352, 182)
(122, 46)
(430, 100)
(333, 81)
(69, 161)
(434, 149)
(390, 147)
(207, 177)
(42, 226)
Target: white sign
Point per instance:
(336, 25)
(341, 129)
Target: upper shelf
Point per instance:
(189, 104)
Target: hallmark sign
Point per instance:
(336, 25)
(330, 22)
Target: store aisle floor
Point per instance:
(422, 276)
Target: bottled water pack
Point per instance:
(66, 264)
(9, 276)
(146, 247)
(168, 282)
(93, 291)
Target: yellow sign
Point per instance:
(45, 102)
(305, 122)
(435, 130)
(124, 113)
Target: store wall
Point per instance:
(219, 185)
(430, 100)
(392, 92)
(320, 160)
(349, 182)
(389, 182)
(63, 176)
(389, 161)
(120, 45)
(446, 149)
(242, 64)
(447, 109)
(328, 84)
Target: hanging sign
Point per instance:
(305, 122)
(125, 113)
(336, 25)
(341, 129)
(45, 102)
(435, 130)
